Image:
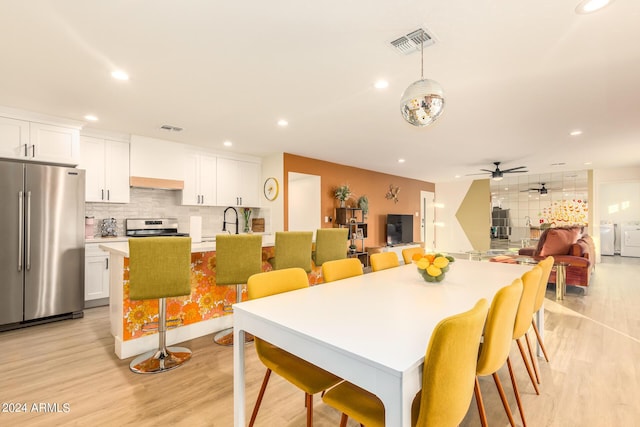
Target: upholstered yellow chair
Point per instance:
(159, 268)
(407, 254)
(447, 377)
(530, 284)
(546, 265)
(331, 244)
(238, 256)
(293, 249)
(383, 260)
(498, 334)
(341, 269)
(304, 375)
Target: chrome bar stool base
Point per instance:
(225, 336)
(160, 360)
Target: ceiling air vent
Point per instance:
(171, 128)
(410, 42)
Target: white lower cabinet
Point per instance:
(96, 273)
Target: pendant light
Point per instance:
(423, 101)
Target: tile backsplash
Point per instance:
(153, 203)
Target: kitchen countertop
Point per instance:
(121, 247)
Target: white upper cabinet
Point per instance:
(107, 169)
(238, 183)
(14, 138)
(32, 141)
(199, 180)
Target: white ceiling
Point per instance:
(518, 77)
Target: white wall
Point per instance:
(305, 191)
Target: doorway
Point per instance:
(428, 219)
(304, 214)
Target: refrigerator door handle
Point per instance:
(28, 233)
(20, 227)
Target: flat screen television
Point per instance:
(399, 229)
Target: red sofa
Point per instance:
(571, 246)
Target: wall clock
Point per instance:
(271, 188)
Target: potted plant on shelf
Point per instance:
(363, 203)
(342, 193)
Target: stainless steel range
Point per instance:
(150, 227)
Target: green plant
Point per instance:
(342, 192)
(363, 203)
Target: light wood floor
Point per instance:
(593, 378)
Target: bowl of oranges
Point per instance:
(433, 266)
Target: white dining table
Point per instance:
(371, 330)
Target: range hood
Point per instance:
(157, 183)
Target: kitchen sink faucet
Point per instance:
(224, 219)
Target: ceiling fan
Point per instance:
(542, 190)
(497, 174)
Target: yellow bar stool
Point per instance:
(546, 265)
(160, 267)
(331, 244)
(238, 256)
(293, 249)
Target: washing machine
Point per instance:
(607, 239)
(630, 240)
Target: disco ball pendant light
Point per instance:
(423, 101)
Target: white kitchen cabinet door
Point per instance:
(92, 161)
(96, 273)
(238, 183)
(14, 138)
(199, 180)
(55, 144)
(117, 171)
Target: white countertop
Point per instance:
(208, 244)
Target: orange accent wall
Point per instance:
(362, 182)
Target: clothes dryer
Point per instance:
(630, 240)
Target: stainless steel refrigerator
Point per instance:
(41, 243)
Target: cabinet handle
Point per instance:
(26, 150)
(20, 228)
(102, 194)
(203, 199)
(106, 264)
(108, 195)
(33, 150)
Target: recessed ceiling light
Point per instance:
(575, 132)
(91, 118)
(588, 6)
(228, 143)
(457, 176)
(381, 84)
(587, 163)
(401, 160)
(120, 75)
(283, 123)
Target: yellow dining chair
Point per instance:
(341, 269)
(407, 254)
(331, 244)
(384, 260)
(238, 256)
(447, 377)
(546, 265)
(498, 334)
(293, 249)
(530, 284)
(160, 268)
(304, 375)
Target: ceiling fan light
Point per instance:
(422, 102)
(497, 178)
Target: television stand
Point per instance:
(397, 249)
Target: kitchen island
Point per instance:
(134, 323)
